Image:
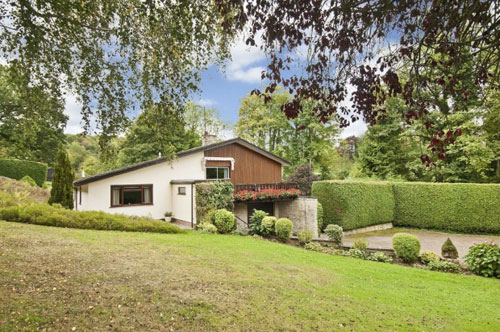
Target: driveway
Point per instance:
(429, 240)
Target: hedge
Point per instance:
(457, 207)
(355, 204)
(47, 215)
(17, 169)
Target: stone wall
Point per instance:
(241, 215)
(301, 211)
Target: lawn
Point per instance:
(102, 280)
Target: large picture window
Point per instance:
(217, 173)
(127, 195)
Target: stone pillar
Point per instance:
(302, 211)
(241, 215)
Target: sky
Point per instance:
(220, 90)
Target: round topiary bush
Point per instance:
(335, 233)
(304, 236)
(406, 247)
(283, 229)
(448, 250)
(267, 226)
(224, 221)
(256, 221)
(428, 256)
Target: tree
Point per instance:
(200, 119)
(114, 55)
(303, 176)
(156, 130)
(300, 140)
(352, 43)
(31, 120)
(62, 183)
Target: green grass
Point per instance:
(104, 280)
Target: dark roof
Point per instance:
(160, 160)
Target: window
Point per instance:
(181, 191)
(132, 195)
(217, 173)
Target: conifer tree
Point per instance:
(62, 183)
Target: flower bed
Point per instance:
(265, 194)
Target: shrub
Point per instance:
(319, 212)
(379, 257)
(357, 253)
(448, 250)
(406, 247)
(207, 228)
(17, 169)
(208, 217)
(211, 196)
(43, 214)
(428, 256)
(303, 177)
(313, 246)
(284, 229)
(440, 206)
(484, 259)
(224, 221)
(360, 244)
(444, 266)
(267, 226)
(256, 221)
(28, 180)
(355, 204)
(335, 233)
(304, 236)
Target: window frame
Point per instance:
(217, 172)
(179, 191)
(122, 186)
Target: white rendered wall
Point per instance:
(98, 196)
(181, 204)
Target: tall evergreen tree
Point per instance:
(62, 183)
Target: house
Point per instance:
(156, 186)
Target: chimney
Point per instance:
(208, 139)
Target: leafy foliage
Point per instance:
(335, 233)
(319, 216)
(355, 204)
(211, 196)
(17, 169)
(448, 249)
(267, 226)
(406, 247)
(341, 40)
(283, 229)
(256, 221)
(484, 259)
(379, 257)
(304, 236)
(313, 246)
(62, 183)
(304, 177)
(427, 257)
(440, 206)
(43, 214)
(157, 129)
(29, 181)
(360, 244)
(444, 266)
(31, 119)
(207, 228)
(224, 221)
(114, 55)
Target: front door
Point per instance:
(266, 207)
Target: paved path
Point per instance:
(429, 240)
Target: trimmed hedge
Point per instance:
(456, 207)
(44, 214)
(17, 169)
(355, 204)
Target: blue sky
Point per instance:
(220, 90)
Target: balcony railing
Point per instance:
(261, 186)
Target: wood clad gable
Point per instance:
(249, 166)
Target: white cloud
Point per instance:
(73, 111)
(357, 129)
(206, 102)
(243, 66)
